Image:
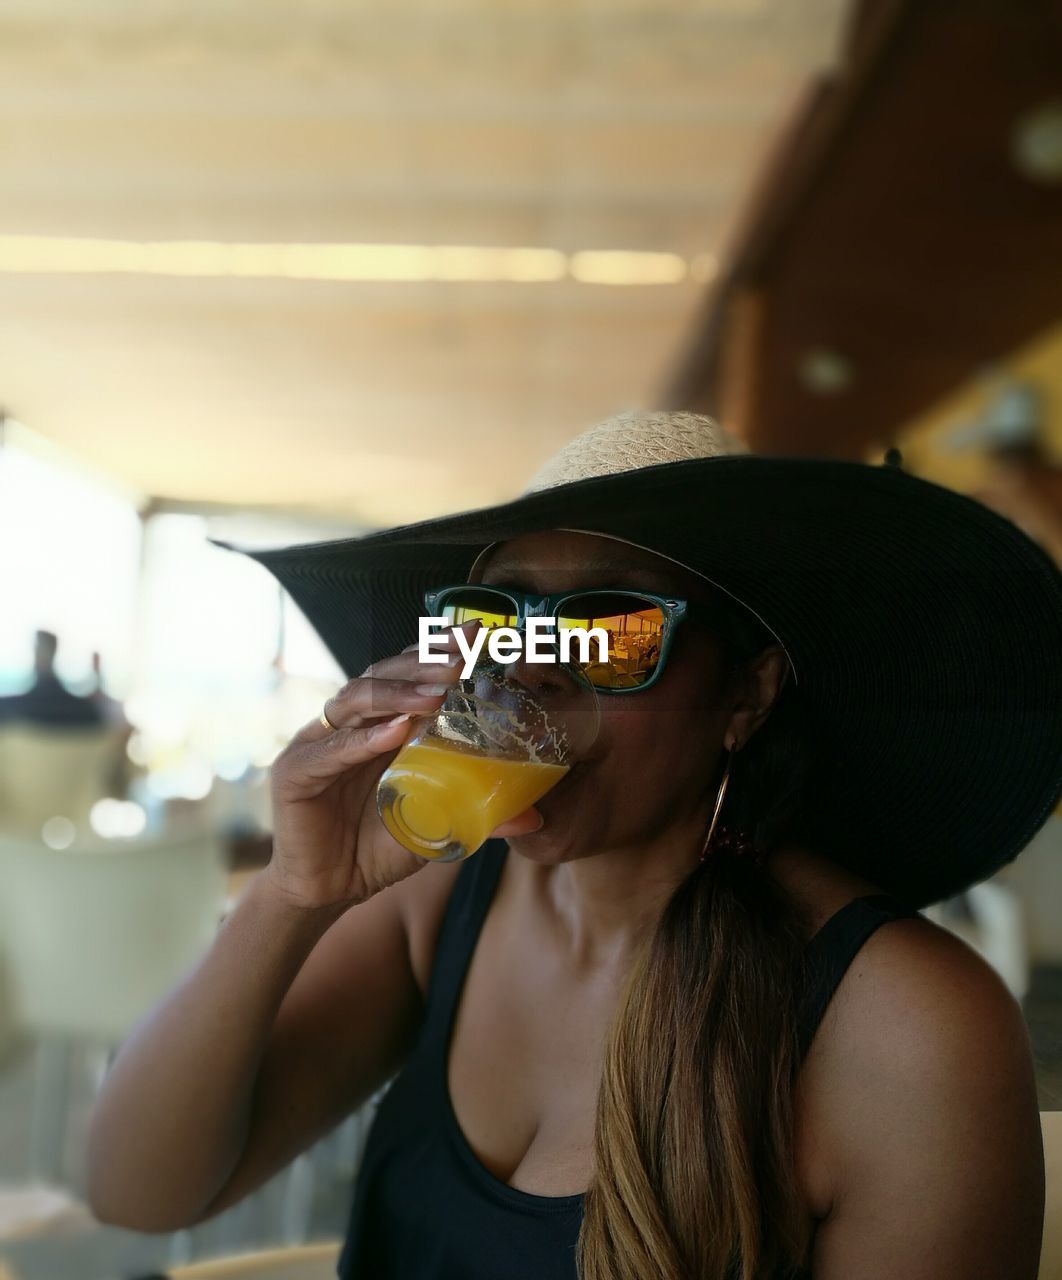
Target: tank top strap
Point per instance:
(835, 946)
(829, 953)
(469, 900)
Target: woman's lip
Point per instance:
(539, 810)
(575, 771)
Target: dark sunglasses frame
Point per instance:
(527, 605)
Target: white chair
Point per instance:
(28, 1210)
(90, 938)
(54, 772)
(94, 934)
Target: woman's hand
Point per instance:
(329, 844)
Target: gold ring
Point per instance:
(328, 723)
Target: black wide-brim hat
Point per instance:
(924, 631)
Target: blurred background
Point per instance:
(293, 270)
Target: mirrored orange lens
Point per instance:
(633, 628)
(487, 607)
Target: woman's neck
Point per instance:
(602, 904)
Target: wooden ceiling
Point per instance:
(599, 125)
(893, 245)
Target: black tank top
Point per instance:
(425, 1208)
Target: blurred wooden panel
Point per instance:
(895, 243)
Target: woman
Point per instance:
(681, 1018)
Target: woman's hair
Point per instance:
(694, 1152)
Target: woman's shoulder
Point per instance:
(922, 1062)
(918, 999)
(910, 986)
(915, 1000)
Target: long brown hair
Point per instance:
(694, 1161)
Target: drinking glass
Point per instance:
(502, 738)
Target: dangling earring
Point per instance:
(719, 798)
(736, 843)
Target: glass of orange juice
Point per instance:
(501, 739)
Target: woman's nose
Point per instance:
(546, 680)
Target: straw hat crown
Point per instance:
(635, 439)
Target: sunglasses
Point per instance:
(639, 625)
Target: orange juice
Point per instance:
(442, 799)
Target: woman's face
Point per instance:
(658, 750)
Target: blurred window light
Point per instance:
(825, 372)
(516, 266)
(51, 255)
(1036, 144)
(117, 819)
(227, 667)
(70, 564)
(190, 780)
(304, 652)
(619, 267)
(207, 616)
(136, 748)
(58, 832)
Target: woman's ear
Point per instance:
(759, 685)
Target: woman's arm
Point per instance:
(291, 1020)
(307, 999)
(922, 1098)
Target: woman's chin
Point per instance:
(545, 847)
